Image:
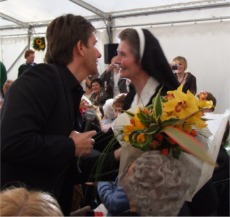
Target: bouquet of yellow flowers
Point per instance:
(170, 123)
(39, 43)
(173, 124)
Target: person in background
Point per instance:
(162, 189)
(108, 111)
(3, 78)
(22, 202)
(86, 84)
(29, 56)
(87, 89)
(112, 81)
(97, 88)
(99, 95)
(112, 108)
(187, 79)
(118, 103)
(41, 122)
(84, 106)
(204, 95)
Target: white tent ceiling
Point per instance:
(37, 13)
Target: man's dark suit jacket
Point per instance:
(39, 112)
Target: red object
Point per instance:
(165, 151)
(98, 214)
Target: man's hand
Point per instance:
(83, 142)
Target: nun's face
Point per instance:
(125, 58)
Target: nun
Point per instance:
(141, 59)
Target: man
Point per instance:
(41, 120)
(112, 81)
(29, 56)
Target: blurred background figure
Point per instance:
(99, 95)
(22, 202)
(118, 103)
(3, 78)
(112, 81)
(187, 79)
(204, 95)
(87, 89)
(86, 84)
(109, 114)
(29, 56)
(112, 108)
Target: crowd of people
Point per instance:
(47, 148)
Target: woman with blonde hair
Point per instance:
(187, 79)
(22, 202)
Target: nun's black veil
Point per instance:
(155, 64)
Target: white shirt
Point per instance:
(116, 77)
(147, 92)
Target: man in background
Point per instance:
(29, 56)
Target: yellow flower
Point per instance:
(181, 106)
(135, 125)
(205, 104)
(174, 118)
(141, 138)
(38, 42)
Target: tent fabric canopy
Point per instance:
(35, 13)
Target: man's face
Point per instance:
(30, 58)
(128, 67)
(92, 54)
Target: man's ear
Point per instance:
(80, 48)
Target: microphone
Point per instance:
(89, 117)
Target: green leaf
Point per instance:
(188, 143)
(152, 129)
(171, 122)
(144, 118)
(157, 105)
(129, 113)
(133, 140)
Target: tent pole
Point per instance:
(12, 65)
(30, 31)
(109, 29)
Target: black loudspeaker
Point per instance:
(110, 50)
